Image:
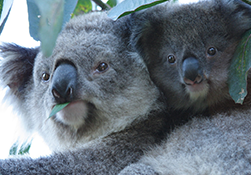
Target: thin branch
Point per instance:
(102, 4)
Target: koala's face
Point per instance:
(95, 75)
(107, 86)
(188, 50)
(84, 75)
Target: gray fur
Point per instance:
(216, 143)
(113, 116)
(210, 146)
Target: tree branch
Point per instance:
(102, 5)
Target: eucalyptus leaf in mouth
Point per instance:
(57, 108)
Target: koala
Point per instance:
(115, 111)
(188, 49)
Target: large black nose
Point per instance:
(64, 82)
(192, 72)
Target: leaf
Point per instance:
(51, 20)
(57, 108)
(1, 7)
(112, 3)
(239, 67)
(5, 7)
(69, 7)
(83, 6)
(247, 1)
(34, 19)
(46, 18)
(16, 149)
(129, 6)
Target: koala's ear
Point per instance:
(16, 67)
(146, 27)
(240, 16)
(139, 26)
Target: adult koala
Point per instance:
(188, 49)
(115, 111)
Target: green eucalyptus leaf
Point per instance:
(1, 7)
(112, 3)
(238, 70)
(247, 1)
(17, 149)
(83, 6)
(34, 20)
(34, 15)
(14, 149)
(5, 7)
(69, 7)
(57, 108)
(51, 21)
(129, 6)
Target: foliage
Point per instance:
(129, 6)
(247, 1)
(50, 23)
(83, 6)
(5, 7)
(46, 19)
(57, 108)
(238, 69)
(112, 3)
(16, 149)
(1, 6)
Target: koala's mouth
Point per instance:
(197, 90)
(74, 114)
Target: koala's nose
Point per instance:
(192, 72)
(64, 83)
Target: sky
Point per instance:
(16, 30)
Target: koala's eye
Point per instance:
(211, 51)
(45, 76)
(102, 67)
(171, 58)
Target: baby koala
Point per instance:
(188, 49)
(115, 111)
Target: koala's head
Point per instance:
(188, 48)
(107, 86)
